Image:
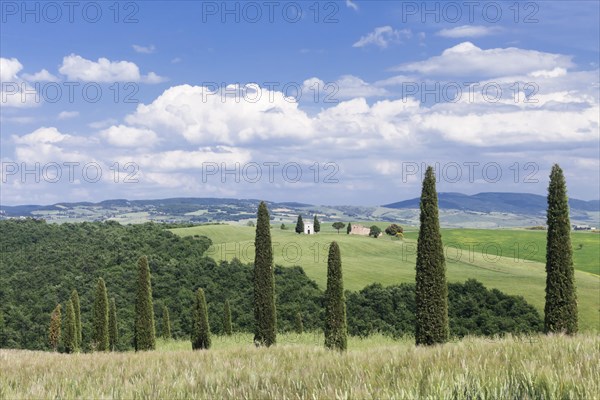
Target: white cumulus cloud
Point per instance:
(48, 144)
(466, 59)
(41, 76)
(14, 90)
(9, 68)
(346, 87)
(127, 136)
(76, 67)
(204, 116)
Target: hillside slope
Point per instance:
(367, 260)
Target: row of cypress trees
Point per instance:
(560, 310)
(264, 291)
(431, 317)
(105, 332)
(71, 335)
(104, 326)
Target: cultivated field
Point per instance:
(299, 367)
(502, 259)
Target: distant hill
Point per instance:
(514, 203)
(483, 210)
(175, 205)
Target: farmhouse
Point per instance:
(308, 228)
(360, 230)
(583, 228)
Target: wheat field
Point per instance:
(298, 367)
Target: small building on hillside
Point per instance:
(360, 230)
(584, 228)
(308, 228)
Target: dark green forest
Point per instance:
(42, 263)
(472, 310)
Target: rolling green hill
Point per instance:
(522, 245)
(367, 260)
(41, 263)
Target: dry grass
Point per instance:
(298, 367)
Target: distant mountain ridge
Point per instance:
(483, 210)
(514, 203)
(181, 202)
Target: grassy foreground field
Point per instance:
(538, 367)
(486, 255)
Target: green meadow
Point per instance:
(524, 244)
(509, 260)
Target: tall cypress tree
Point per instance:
(55, 325)
(166, 323)
(316, 225)
(144, 331)
(264, 285)
(201, 329)
(69, 336)
(336, 330)
(227, 326)
(77, 311)
(113, 327)
(299, 224)
(561, 299)
(100, 334)
(431, 317)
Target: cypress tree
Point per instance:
(69, 336)
(144, 331)
(431, 317)
(349, 228)
(166, 323)
(55, 325)
(77, 311)
(227, 328)
(299, 224)
(264, 286)
(113, 328)
(100, 335)
(201, 329)
(336, 330)
(561, 299)
(316, 225)
(298, 325)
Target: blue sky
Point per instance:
(355, 96)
